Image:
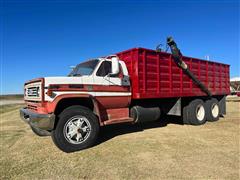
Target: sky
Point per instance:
(45, 38)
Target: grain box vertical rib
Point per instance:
(207, 75)
(144, 72)
(191, 83)
(220, 77)
(170, 73)
(158, 73)
(214, 78)
(181, 81)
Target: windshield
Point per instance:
(85, 68)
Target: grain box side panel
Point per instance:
(155, 75)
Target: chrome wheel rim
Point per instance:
(200, 112)
(77, 129)
(215, 110)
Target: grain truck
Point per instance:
(137, 85)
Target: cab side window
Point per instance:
(104, 69)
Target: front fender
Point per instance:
(51, 106)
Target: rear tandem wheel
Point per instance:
(212, 109)
(195, 112)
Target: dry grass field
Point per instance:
(166, 150)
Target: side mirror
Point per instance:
(115, 66)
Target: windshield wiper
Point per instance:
(76, 75)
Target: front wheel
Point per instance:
(77, 129)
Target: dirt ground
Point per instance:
(7, 102)
(161, 150)
(11, 99)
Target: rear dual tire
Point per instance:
(197, 112)
(212, 110)
(194, 113)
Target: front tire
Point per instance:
(77, 129)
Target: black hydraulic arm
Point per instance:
(177, 56)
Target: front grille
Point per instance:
(33, 92)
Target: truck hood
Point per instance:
(68, 80)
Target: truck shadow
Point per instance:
(111, 131)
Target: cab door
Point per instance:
(112, 92)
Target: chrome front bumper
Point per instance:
(41, 121)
